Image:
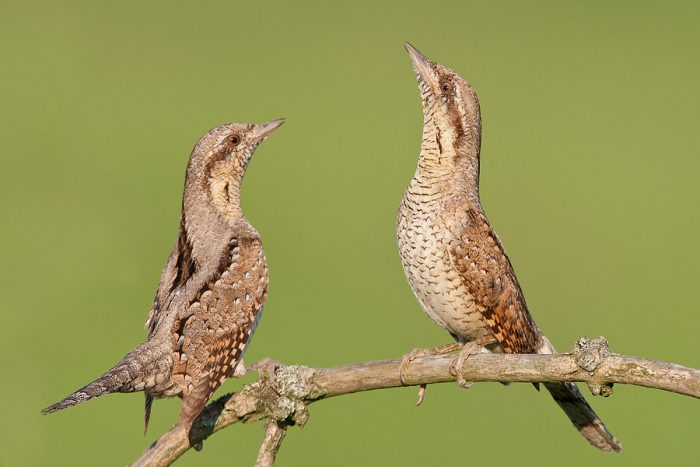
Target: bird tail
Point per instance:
(582, 416)
(577, 409)
(138, 370)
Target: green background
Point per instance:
(589, 174)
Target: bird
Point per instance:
(453, 260)
(212, 288)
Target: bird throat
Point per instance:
(448, 158)
(225, 189)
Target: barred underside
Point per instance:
(454, 261)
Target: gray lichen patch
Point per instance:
(297, 382)
(590, 353)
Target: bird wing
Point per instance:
(478, 256)
(177, 270)
(221, 324)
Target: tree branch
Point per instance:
(282, 393)
(274, 434)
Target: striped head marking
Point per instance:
(219, 162)
(450, 105)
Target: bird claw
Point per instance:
(406, 361)
(417, 353)
(421, 393)
(267, 369)
(457, 365)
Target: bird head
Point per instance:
(219, 161)
(450, 105)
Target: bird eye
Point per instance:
(446, 87)
(234, 139)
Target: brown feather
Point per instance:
(453, 260)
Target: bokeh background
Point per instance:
(590, 168)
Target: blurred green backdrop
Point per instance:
(589, 174)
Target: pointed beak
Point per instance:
(421, 64)
(263, 130)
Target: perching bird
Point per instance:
(453, 259)
(212, 289)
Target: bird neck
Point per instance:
(449, 159)
(223, 187)
(205, 234)
(211, 206)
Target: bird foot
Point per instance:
(418, 353)
(468, 349)
(267, 369)
(456, 368)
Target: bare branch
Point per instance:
(282, 394)
(274, 434)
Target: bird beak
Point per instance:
(262, 131)
(421, 64)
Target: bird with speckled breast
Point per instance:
(212, 288)
(454, 261)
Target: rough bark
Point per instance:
(283, 392)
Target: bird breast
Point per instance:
(424, 241)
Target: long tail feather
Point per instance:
(582, 416)
(135, 372)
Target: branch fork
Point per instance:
(283, 392)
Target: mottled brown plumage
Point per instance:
(212, 289)
(453, 259)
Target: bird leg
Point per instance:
(417, 353)
(468, 349)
